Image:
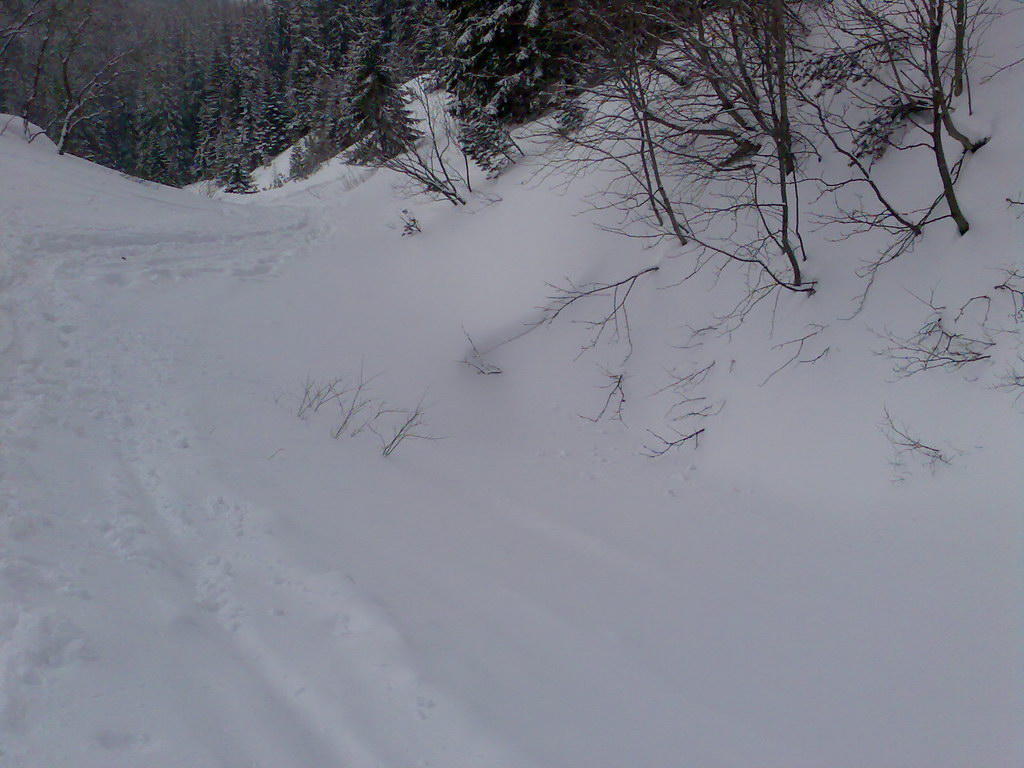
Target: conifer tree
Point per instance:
(487, 142)
(160, 154)
(383, 125)
(307, 66)
(429, 37)
(213, 113)
(342, 24)
(235, 174)
(376, 108)
(506, 59)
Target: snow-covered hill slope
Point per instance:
(193, 575)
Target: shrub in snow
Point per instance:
(358, 411)
(410, 224)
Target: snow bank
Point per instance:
(17, 129)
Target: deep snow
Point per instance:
(190, 575)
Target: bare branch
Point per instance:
(906, 444)
(475, 359)
(617, 318)
(799, 343)
(615, 403)
(666, 444)
(935, 345)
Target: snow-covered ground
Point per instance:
(192, 575)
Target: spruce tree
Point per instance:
(487, 142)
(307, 66)
(375, 107)
(214, 117)
(235, 173)
(160, 156)
(506, 59)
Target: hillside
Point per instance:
(197, 570)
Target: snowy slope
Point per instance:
(191, 575)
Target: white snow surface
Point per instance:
(191, 575)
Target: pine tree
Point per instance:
(375, 107)
(429, 38)
(235, 173)
(506, 59)
(213, 117)
(298, 161)
(159, 154)
(307, 66)
(252, 89)
(341, 26)
(487, 142)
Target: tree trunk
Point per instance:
(783, 134)
(960, 44)
(935, 19)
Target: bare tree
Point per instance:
(427, 163)
(691, 104)
(904, 63)
(70, 54)
(80, 90)
(15, 20)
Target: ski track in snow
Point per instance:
(95, 384)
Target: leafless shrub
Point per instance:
(422, 162)
(937, 344)
(410, 427)
(317, 393)
(907, 445)
(1012, 379)
(410, 224)
(427, 163)
(358, 410)
(67, 58)
(348, 394)
(689, 110)
(903, 63)
(353, 404)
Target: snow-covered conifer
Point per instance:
(506, 59)
(375, 106)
